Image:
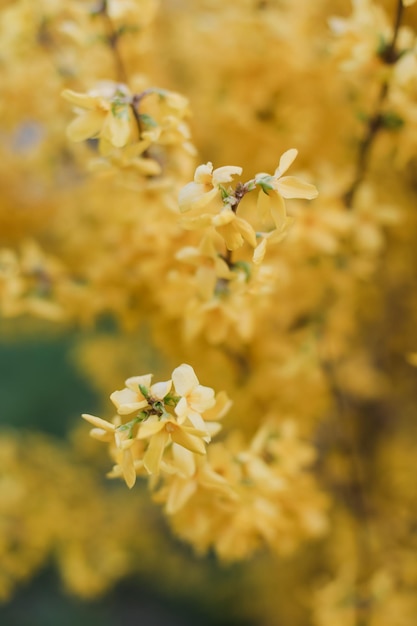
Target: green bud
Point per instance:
(266, 184)
(391, 121)
(144, 391)
(147, 120)
(171, 400)
(243, 266)
(223, 192)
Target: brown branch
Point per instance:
(113, 40)
(121, 72)
(241, 190)
(390, 56)
(357, 500)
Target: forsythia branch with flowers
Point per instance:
(290, 308)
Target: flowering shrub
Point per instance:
(290, 295)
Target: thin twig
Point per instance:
(121, 72)
(113, 39)
(376, 122)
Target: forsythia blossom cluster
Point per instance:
(228, 277)
(151, 418)
(251, 495)
(236, 497)
(210, 203)
(128, 125)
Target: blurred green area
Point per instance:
(42, 603)
(40, 388)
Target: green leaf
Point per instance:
(126, 28)
(392, 121)
(171, 400)
(120, 109)
(382, 47)
(147, 120)
(223, 192)
(144, 391)
(266, 184)
(162, 93)
(244, 266)
(129, 426)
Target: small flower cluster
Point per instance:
(127, 127)
(225, 268)
(243, 497)
(210, 203)
(152, 418)
(232, 497)
(28, 283)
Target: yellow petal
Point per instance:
(206, 280)
(195, 223)
(134, 381)
(183, 460)
(222, 269)
(160, 390)
(291, 187)
(259, 252)
(150, 428)
(86, 126)
(207, 247)
(211, 480)
(198, 423)
(184, 379)
(246, 231)
(80, 99)
(128, 468)
(220, 408)
(278, 212)
(117, 127)
(225, 174)
(183, 438)
(195, 196)
(232, 237)
(98, 422)
(101, 435)
(201, 398)
(213, 428)
(153, 454)
(135, 149)
(263, 206)
(105, 147)
(285, 161)
(127, 401)
(223, 218)
(203, 173)
(147, 167)
(179, 494)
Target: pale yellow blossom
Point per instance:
(276, 188)
(206, 186)
(105, 113)
(162, 431)
(109, 432)
(194, 398)
(130, 399)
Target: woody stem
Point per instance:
(375, 123)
